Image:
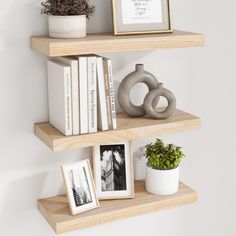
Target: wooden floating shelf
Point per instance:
(103, 43)
(128, 129)
(56, 209)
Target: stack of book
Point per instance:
(81, 94)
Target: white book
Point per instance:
(101, 95)
(83, 92)
(73, 63)
(108, 67)
(59, 96)
(92, 94)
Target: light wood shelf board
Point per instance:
(56, 209)
(128, 129)
(103, 43)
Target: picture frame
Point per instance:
(141, 16)
(113, 171)
(80, 187)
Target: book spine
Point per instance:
(83, 96)
(75, 97)
(92, 94)
(107, 94)
(102, 107)
(112, 95)
(68, 102)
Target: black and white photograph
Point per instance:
(80, 187)
(113, 171)
(113, 174)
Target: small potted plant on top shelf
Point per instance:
(67, 18)
(162, 171)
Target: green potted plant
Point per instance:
(67, 18)
(162, 171)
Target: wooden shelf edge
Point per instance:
(128, 129)
(44, 137)
(56, 211)
(44, 213)
(105, 43)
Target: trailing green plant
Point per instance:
(67, 8)
(163, 156)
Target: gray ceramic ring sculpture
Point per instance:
(138, 76)
(152, 95)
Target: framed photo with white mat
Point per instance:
(80, 187)
(141, 16)
(113, 171)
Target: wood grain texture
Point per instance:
(128, 129)
(102, 43)
(56, 209)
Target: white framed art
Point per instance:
(80, 187)
(141, 16)
(113, 171)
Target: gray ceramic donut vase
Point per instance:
(158, 92)
(138, 76)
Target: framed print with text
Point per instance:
(141, 16)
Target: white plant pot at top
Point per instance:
(162, 182)
(67, 26)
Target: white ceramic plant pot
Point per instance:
(162, 182)
(67, 26)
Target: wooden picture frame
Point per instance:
(80, 187)
(141, 16)
(113, 171)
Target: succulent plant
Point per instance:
(67, 8)
(163, 156)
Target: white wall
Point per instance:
(203, 80)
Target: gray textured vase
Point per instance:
(138, 76)
(160, 91)
(156, 90)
